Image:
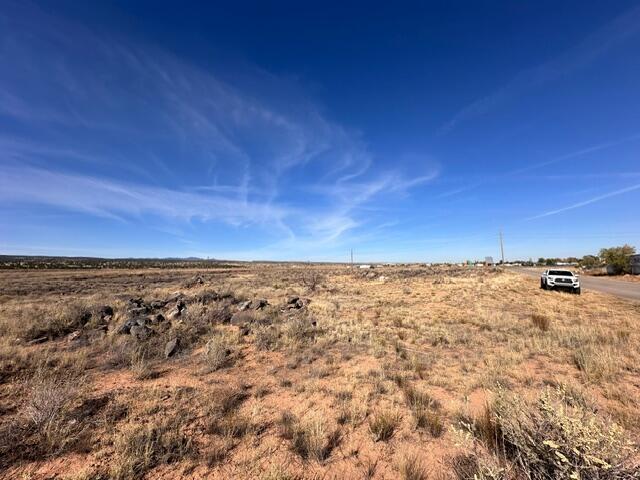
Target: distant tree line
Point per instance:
(614, 258)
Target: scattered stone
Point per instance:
(194, 282)
(245, 305)
(73, 336)
(126, 327)
(105, 311)
(141, 332)
(171, 348)
(157, 304)
(164, 327)
(136, 302)
(85, 317)
(259, 304)
(159, 318)
(241, 319)
(296, 303)
(174, 314)
(138, 310)
(175, 296)
(245, 330)
(206, 298)
(38, 340)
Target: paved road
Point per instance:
(619, 288)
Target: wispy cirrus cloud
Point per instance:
(589, 201)
(122, 130)
(518, 172)
(587, 51)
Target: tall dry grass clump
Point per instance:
(541, 321)
(312, 439)
(139, 448)
(383, 424)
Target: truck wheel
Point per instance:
(541, 284)
(576, 291)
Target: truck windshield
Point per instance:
(561, 273)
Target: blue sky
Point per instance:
(241, 130)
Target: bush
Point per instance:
(553, 440)
(266, 337)
(618, 258)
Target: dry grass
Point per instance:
(369, 377)
(411, 467)
(383, 424)
(138, 448)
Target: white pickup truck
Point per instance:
(551, 279)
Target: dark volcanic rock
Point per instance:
(171, 348)
(206, 298)
(126, 327)
(141, 332)
(296, 303)
(259, 304)
(138, 310)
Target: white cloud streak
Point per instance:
(587, 202)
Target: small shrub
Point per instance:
(266, 337)
(312, 279)
(49, 412)
(299, 329)
(553, 440)
(469, 466)
(383, 424)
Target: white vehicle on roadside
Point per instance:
(551, 279)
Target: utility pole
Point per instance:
(501, 247)
(352, 258)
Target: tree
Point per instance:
(590, 261)
(618, 258)
(541, 261)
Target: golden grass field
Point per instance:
(398, 372)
